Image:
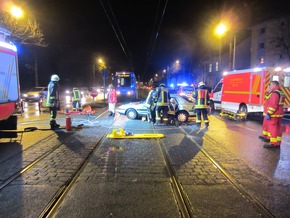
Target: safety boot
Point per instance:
(54, 125)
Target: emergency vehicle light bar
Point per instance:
(8, 46)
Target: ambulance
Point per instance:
(9, 85)
(241, 92)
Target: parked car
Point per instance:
(134, 110)
(35, 94)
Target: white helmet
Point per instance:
(201, 84)
(54, 78)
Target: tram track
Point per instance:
(182, 199)
(180, 193)
(60, 195)
(26, 168)
(56, 199)
(185, 202)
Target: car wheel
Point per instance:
(131, 114)
(243, 108)
(182, 116)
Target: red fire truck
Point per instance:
(9, 85)
(241, 92)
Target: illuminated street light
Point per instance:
(16, 12)
(102, 68)
(220, 31)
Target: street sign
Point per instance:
(94, 93)
(105, 74)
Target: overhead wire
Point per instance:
(122, 36)
(154, 35)
(122, 41)
(114, 29)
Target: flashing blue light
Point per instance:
(182, 84)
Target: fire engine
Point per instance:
(241, 92)
(9, 85)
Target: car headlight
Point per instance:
(24, 95)
(118, 92)
(129, 93)
(36, 95)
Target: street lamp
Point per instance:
(16, 12)
(220, 31)
(103, 69)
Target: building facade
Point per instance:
(267, 45)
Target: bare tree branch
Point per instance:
(24, 31)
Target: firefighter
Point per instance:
(53, 100)
(151, 105)
(162, 103)
(273, 113)
(202, 101)
(76, 99)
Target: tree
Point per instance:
(24, 31)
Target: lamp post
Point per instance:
(233, 53)
(103, 69)
(220, 31)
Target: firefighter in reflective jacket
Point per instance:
(53, 100)
(202, 101)
(76, 101)
(273, 113)
(162, 103)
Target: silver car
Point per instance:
(35, 94)
(134, 110)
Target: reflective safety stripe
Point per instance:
(76, 94)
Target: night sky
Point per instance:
(78, 32)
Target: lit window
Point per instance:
(261, 60)
(210, 68)
(217, 66)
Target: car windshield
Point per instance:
(188, 88)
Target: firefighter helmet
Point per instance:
(201, 84)
(54, 78)
(162, 84)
